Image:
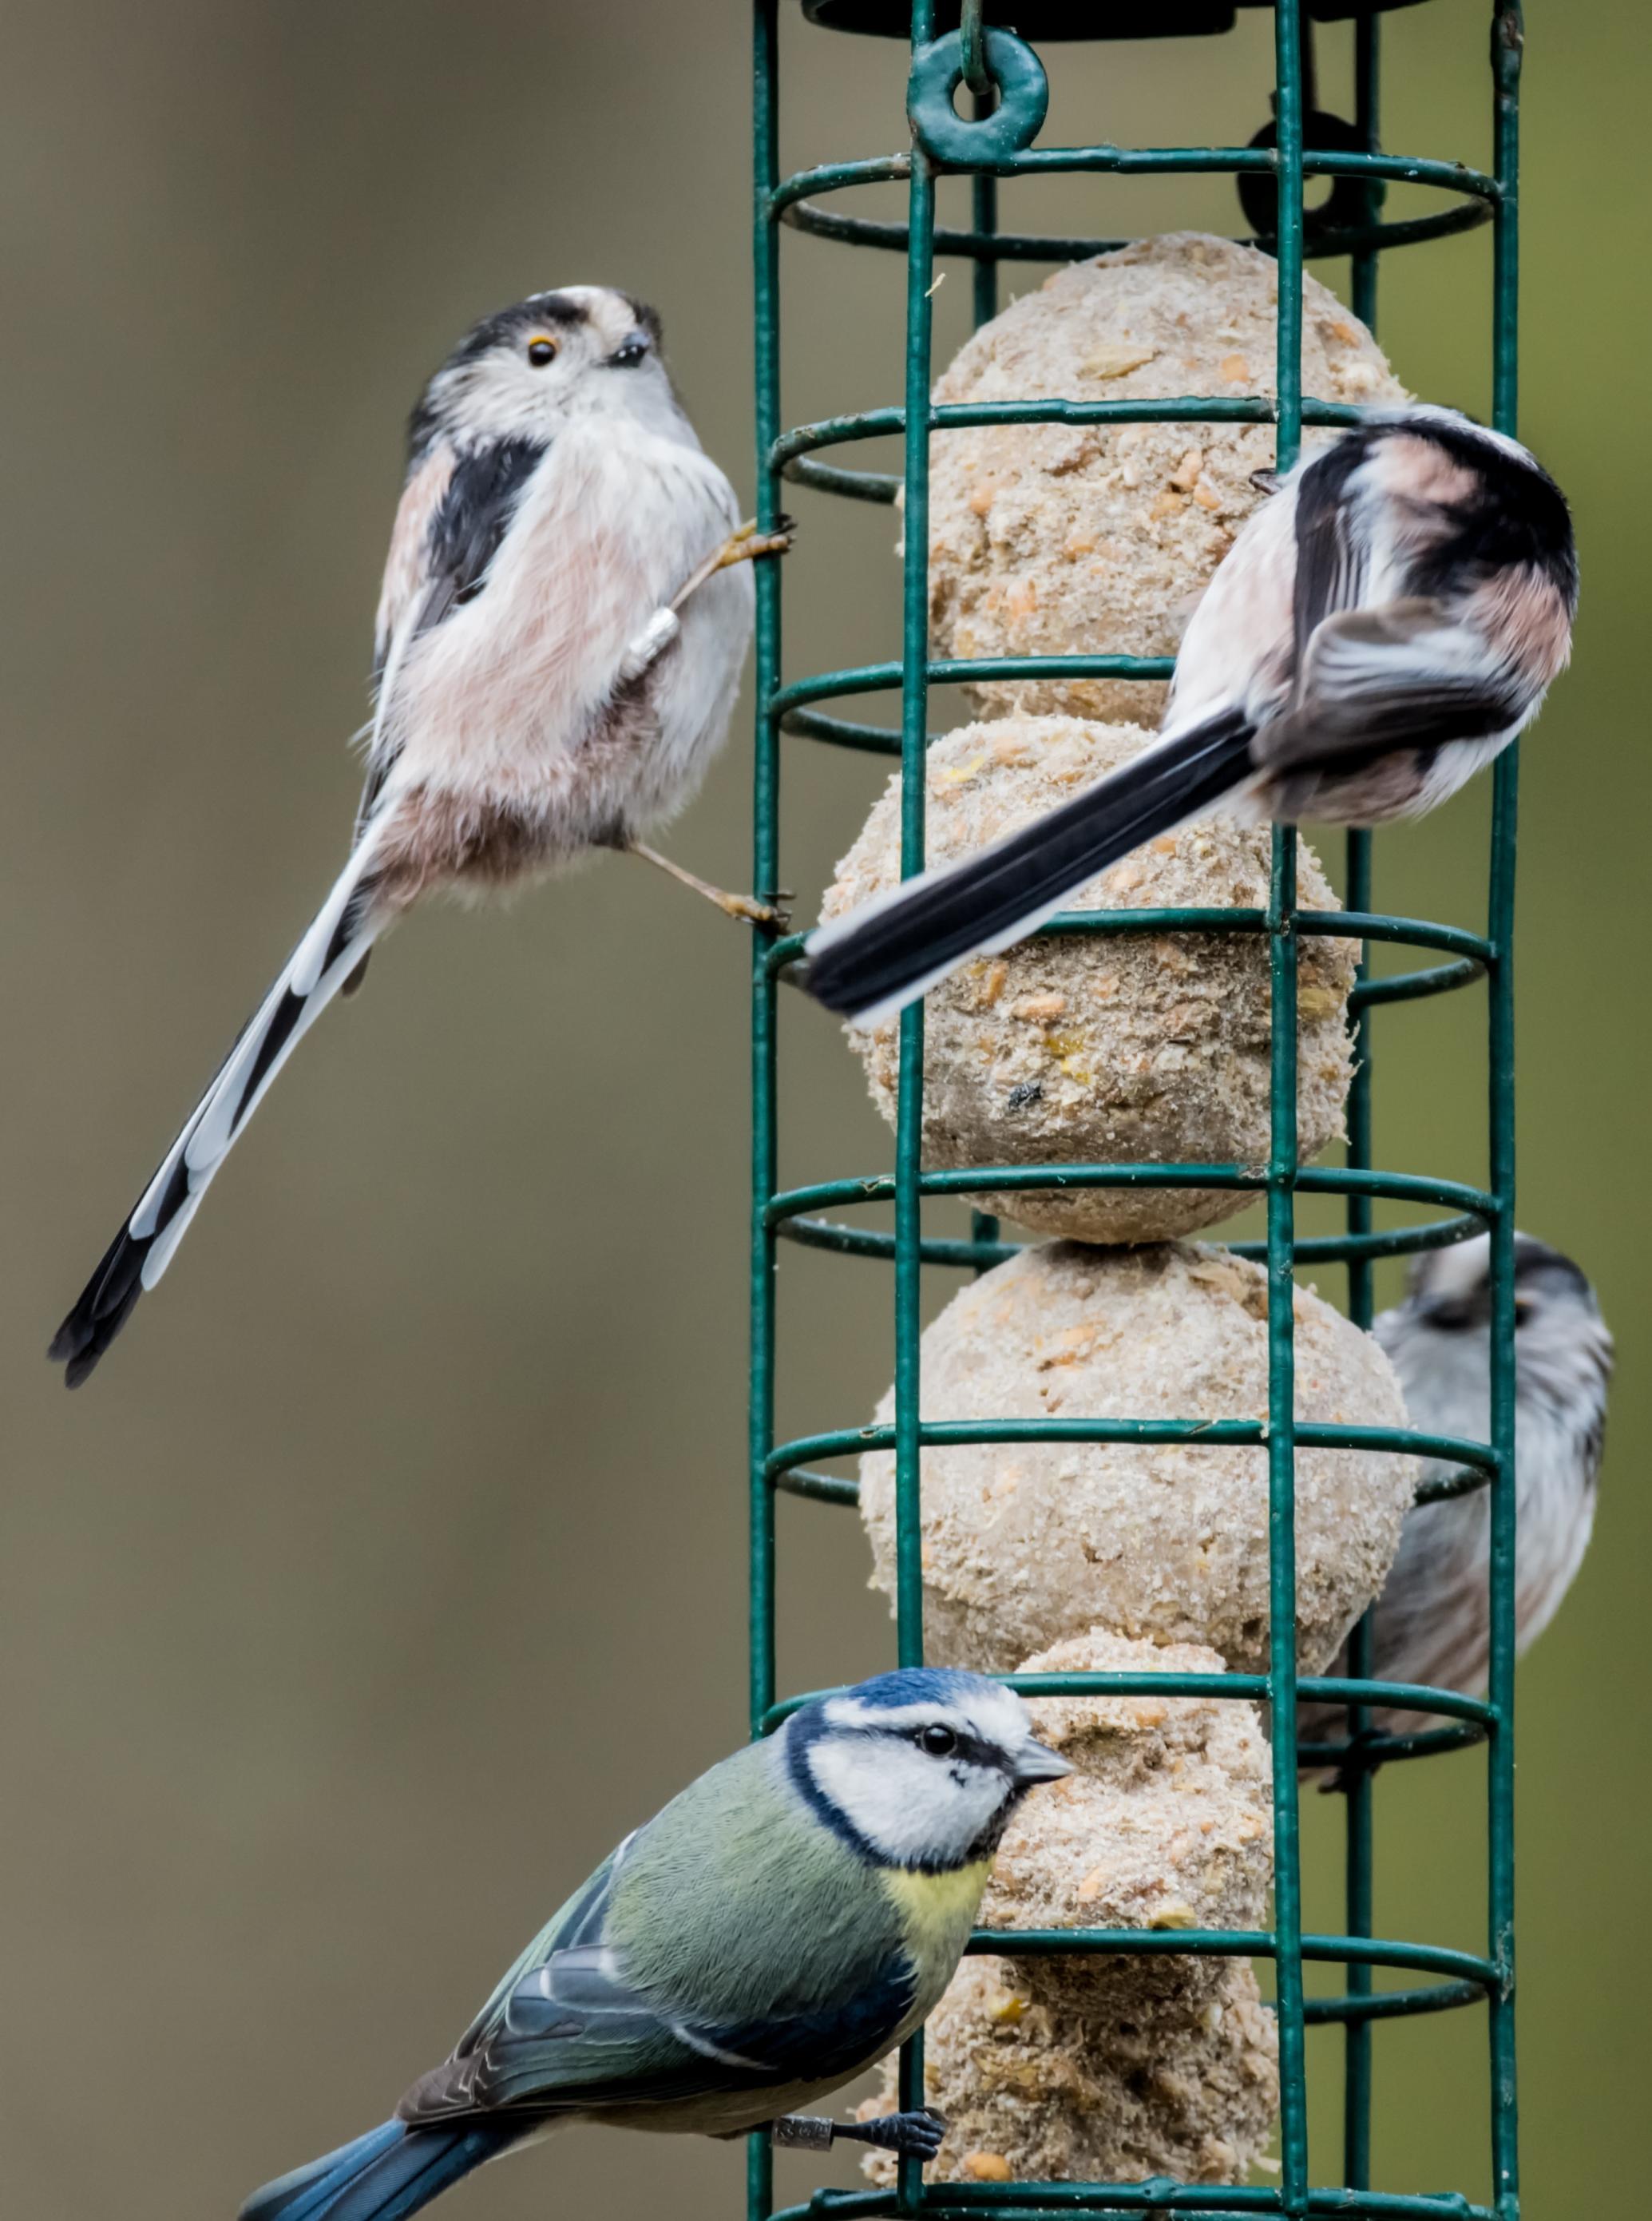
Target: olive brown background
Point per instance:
(393, 1565)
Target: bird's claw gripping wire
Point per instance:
(909, 2136)
(745, 544)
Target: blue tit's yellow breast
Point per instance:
(937, 1911)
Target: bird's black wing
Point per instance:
(1402, 675)
(471, 519)
(1332, 559)
(461, 540)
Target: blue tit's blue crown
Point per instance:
(920, 1684)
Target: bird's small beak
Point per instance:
(631, 350)
(1036, 1762)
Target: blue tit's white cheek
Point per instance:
(910, 1808)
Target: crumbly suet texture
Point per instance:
(1149, 1048)
(1115, 2066)
(1165, 1824)
(1051, 540)
(1026, 1543)
(1034, 2091)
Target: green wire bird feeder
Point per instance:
(951, 47)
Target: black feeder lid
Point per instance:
(1081, 19)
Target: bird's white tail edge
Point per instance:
(338, 938)
(312, 976)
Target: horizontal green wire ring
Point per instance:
(979, 1256)
(1310, 1180)
(1156, 161)
(1220, 1433)
(1031, 2201)
(1324, 924)
(1326, 1688)
(790, 453)
(1050, 247)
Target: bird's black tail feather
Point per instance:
(870, 964)
(326, 960)
(383, 2176)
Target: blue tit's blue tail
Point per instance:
(383, 2176)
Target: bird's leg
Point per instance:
(744, 545)
(909, 2136)
(746, 907)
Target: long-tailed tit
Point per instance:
(1382, 626)
(558, 641)
(1431, 1624)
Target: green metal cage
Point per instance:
(1007, 80)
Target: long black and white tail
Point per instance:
(878, 958)
(337, 942)
(383, 2176)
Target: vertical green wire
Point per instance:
(1507, 36)
(765, 860)
(1367, 109)
(1359, 1871)
(759, 2158)
(1359, 1785)
(909, 1122)
(984, 302)
(983, 210)
(1282, 1203)
(914, 651)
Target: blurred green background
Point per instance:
(394, 1567)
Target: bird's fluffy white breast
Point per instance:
(612, 522)
(1432, 1620)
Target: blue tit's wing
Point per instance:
(568, 2031)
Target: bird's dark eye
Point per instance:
(937, 1741)
(541, 351)
(1523, 1307)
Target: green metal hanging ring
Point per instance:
(1023, 100)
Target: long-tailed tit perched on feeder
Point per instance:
(560, 638)
(1431, 1624)
(1383, 626)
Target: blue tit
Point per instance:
(560, 631)
(779, 1926)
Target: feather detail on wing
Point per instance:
(567, 2031)
(455, 510)
(1332, 554)
(407, 562)
(1404, 674)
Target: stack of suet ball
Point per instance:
(1027, 1542)
(1121, 1047)
(1115, 2066)
(1127, 1048)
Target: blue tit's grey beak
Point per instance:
(632, 349)
(1036, 1762)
